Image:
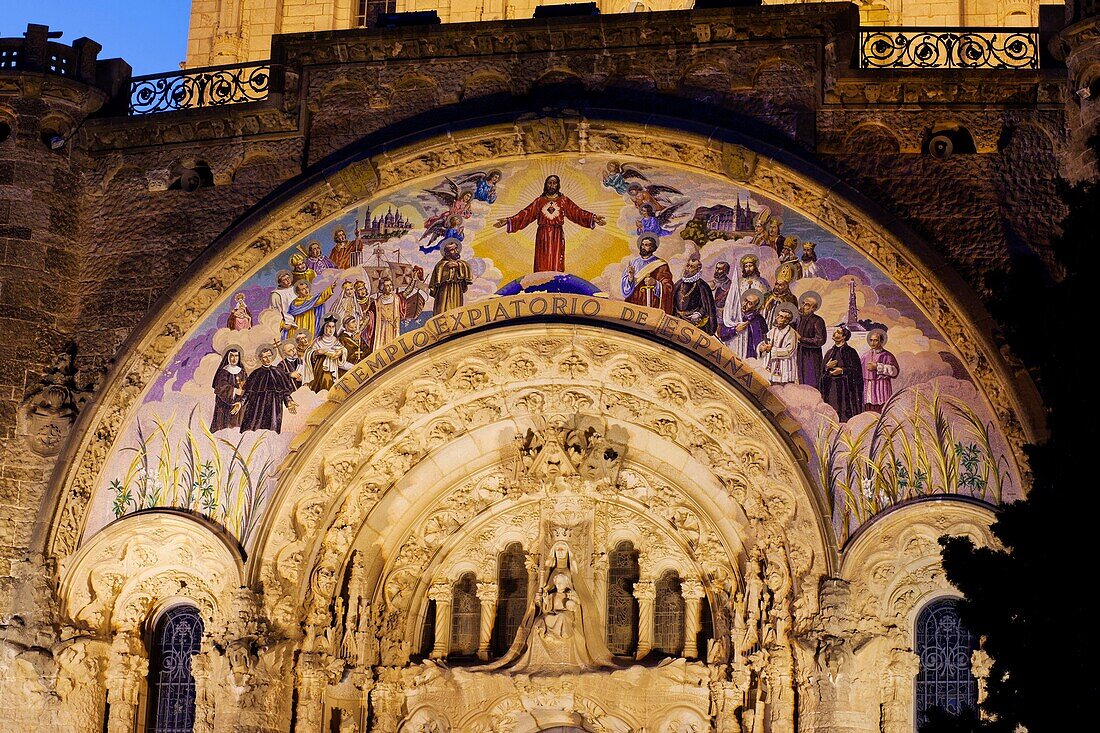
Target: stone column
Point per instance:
(311, 691)
(646, 593)
(487, 593)
(441, 592)
(899, 671)
(692, 591)
(127, 670)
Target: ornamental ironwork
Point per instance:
(949, 48)
(622, 606)
(512, 599)
(211, 86)
(177, 639)
(944, 646)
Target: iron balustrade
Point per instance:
(949, 48)
(210, 86)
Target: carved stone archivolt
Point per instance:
(421, 479)
(701, 456)
(246, 248)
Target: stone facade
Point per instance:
(402, 489)
(230, 31)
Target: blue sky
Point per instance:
(150, 34)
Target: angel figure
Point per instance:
(485, 184)
(619, 176)
(659, 224)
(654, 194)
(457, 203)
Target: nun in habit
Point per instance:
(228, 387)
(325, 356)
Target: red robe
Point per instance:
(656, 296)
(551, 214)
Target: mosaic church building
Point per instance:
(593, 371)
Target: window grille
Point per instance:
(944, 646)
(511, 598)
(176, 639)
(368, 11)
(622, 607)
(668, 616)
(465, 616)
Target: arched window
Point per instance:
(668, 616)
(622, 607)
(176, 639)
(511, 598)
(465, 616)
(944, 646)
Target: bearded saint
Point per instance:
(647, 280)
(450, 278)
(692, 299)
(550, 210)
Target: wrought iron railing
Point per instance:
(211, 86)
(949, 48)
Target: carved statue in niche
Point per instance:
(50, 409)
(561, 631)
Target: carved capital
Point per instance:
(488, 593)
(645, 590)
(692, 589)
(441, 591)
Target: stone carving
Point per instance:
(50, 408)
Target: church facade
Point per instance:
(423, 380)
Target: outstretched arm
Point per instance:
(521, 219)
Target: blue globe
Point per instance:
(551, 282)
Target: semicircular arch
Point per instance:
(320, 200)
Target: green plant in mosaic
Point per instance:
(938, 445)
(199, 472)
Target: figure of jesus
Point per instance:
(550, 210)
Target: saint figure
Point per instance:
(308, 310)
(292, 363)
(315, 258)
(778, 349)
(811, 337)
(842, 380)
(808, 261)
(647, 280)
(351, 337)
(325, 357)
(388, 310)
(746, 278)
(240, 318)
(750, 328)
(692, 299)
(550, 210)
(267, 391)
(228, 387)
(879, 369)
(281, 298)
(780, 295)
(342, 249)
(450, 278)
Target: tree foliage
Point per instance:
(1032, 601)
